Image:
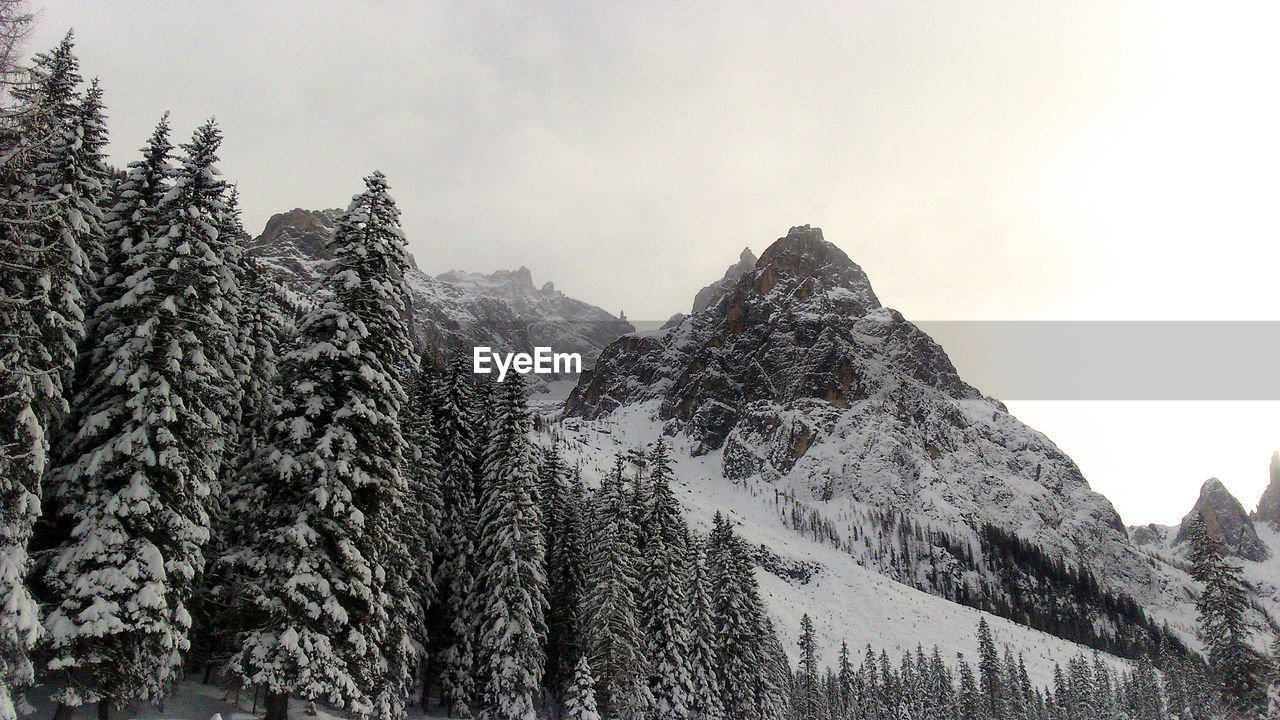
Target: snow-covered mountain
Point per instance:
(800, 571)
(456, 309)
(795, 380)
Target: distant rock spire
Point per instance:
(712, 294)
(1225, 517)
(1269, 505)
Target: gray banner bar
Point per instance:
(1122, 360)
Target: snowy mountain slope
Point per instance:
(799, 378)
(456, 310)
(846, 601)
(194, 700)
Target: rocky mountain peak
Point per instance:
(799, 376)
(1269, 505)
(1225, 517)
(804, 255)
(518, 280)
(716, 291)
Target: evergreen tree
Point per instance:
(989, 673)
(220, 614)
(332, 477)
(610, 633)
(807, 672)
(1223, 625)
(133, 485)
(561, 505)
(774, 683)
(704, 687)
(751, 668)
(422, 472)
(971, 701)
(941, 690)
(1273, 680)
(844, 681)
(450, 655)
(51, 178)
(663, 603)
(510, 588)
(410, 538)
(86, 186)
(580, 704)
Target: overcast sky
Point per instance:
(981, 160)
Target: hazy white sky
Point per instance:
(1001, 160)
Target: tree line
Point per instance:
(197, 479)
(925, 686)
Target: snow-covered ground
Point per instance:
(197, 701)
(846, 601)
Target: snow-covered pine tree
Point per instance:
(774, 683)
(333, 479)
(969, 699)
(580, 701)
(553, 498)
(1222, 622)
(704, 686)
(510, 587)
(1147, 703)
(942, 691)
(264, 328)
(611, 637)
(207, 237)
(133, 484)
(422, 472)
(566, 578)
(1273, 679)
(989, 672)
(807, 672)
(740, 660)
(551, 488)
(843, 700)
(450, 655)
(248, 378)
(50, 184)
(484, 403)
(663, 603)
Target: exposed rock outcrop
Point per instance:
(715, 292)
(1269, 505)
(1225, 517)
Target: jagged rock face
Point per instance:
(456, 310)
(1224, 516)
(1151, 534)
(802, 377)
(716, 291)
(1269, 505)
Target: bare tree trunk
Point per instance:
(104, 709)
(62, 711)
(277, 705)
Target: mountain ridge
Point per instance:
(455, 310)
